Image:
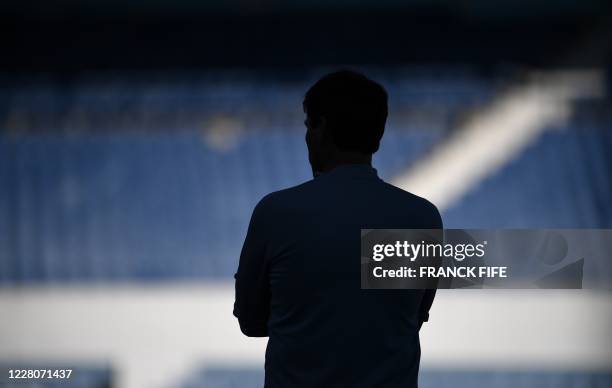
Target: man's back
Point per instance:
(299, 283)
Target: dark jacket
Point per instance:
(298, 282)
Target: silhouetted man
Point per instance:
(298, 281)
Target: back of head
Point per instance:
(354, 109)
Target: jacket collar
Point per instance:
(350, 171)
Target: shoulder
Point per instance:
(276, 201)
(422, 206)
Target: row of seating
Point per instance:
(147, 206)
(167, 102)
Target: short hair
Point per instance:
(354, 107)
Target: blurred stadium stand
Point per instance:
(563, 180)
(100, 202)
(426, 98)
(88, 200)
(227, 378)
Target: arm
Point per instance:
(430, 293)
(252, 305)
(426, 302)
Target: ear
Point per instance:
(319, 123)
(326, 136)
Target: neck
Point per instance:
(347, 157)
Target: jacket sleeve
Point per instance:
(252, 304)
